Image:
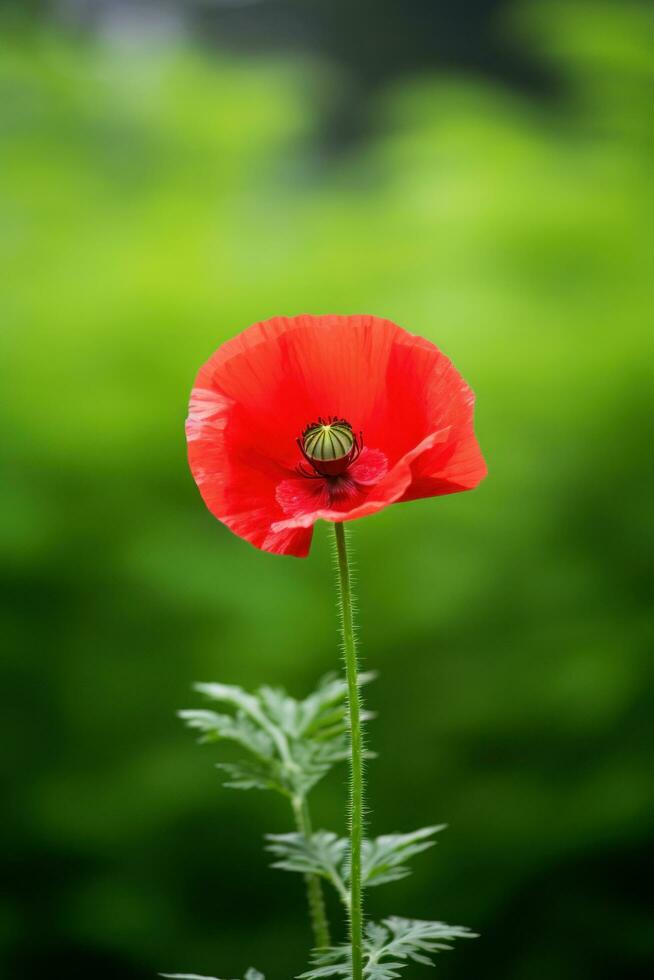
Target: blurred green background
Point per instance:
(167, 176)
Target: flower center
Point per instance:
(328, 446)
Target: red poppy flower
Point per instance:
(329, 418)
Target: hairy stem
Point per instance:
(317, 912)
(356, 769)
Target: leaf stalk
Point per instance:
(315, 897)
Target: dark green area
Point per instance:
(153, 202)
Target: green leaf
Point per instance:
(230, 694)
(237, 728)
(387, 948)
(328, 855)
(324, 710)
(251, 775)
(321, 854)
(292, 743)
(383, 858)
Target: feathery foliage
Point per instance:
(292, 743)
(326, 854)
(388, 948)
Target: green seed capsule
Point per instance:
(328, 441)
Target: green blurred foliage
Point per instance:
(153, 202)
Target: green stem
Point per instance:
(356, 770)
(315, 897)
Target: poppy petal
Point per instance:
(236, 485)
(369, 468)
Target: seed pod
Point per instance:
(329, 446)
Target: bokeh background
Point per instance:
(480, 172)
